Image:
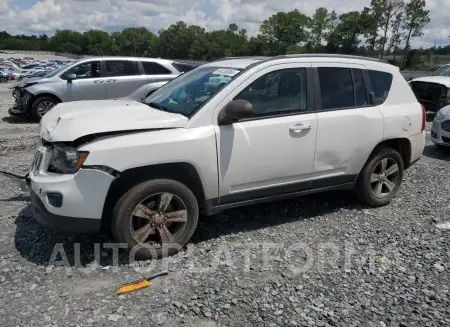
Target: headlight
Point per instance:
(66, 160)
(439, 116)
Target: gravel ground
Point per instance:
(321, 260)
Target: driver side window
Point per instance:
(86, 70)
(278, 92)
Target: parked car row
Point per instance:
(18, 69)
(228, 133)
(94, 79)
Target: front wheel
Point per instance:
(41, 106)
(155, 218)
(381, 177)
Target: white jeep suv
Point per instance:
(276, 128)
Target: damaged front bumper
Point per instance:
(22, 102)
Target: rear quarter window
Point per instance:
(381, 85)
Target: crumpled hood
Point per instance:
(444, 80)
(26, 80)
(69, 121)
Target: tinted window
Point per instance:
(381, 84)
(183, 68)
(152, 68)
(360, 88)
(86, 70)
(279, 92)
(120, 68)
(336, 87)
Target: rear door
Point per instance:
(122, 78)
(349, 125)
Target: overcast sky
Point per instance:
(46, 16)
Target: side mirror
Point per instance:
(70, 77)
(235, 111)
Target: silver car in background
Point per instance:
(96, 78)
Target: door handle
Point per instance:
(111, 80)
(299, 127)
(99, 81)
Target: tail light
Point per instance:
(424, 118)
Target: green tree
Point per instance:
(320, 25)
(390, 8)
(96, 42)
(397, 33)
(345, 38)
(416, 18)
(67, 41)
(284, 29)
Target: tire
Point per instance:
(36, 112)
(124, 220)
(366, 190)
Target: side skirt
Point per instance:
(212, 208)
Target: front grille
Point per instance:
(446, 139)
(433, 96)
(446, 125)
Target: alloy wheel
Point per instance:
(384, 177)
(44, 107)
(158, 219)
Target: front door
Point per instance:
(89, 85)
(273, 152)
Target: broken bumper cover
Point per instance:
(61, 223)
(22, 102)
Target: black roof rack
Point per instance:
(244, 57)
(329, 55)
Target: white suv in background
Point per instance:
(276, 128)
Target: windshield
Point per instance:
(56, 71)
(187, 93)
(443, 71)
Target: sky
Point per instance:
(46, 16)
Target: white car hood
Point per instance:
(71, 120)
(444, 80)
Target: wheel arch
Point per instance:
(44, 94)
(182, 172)
(401, 145)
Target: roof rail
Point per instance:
(328, 55)
(243, 57)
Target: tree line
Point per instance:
(386, 27)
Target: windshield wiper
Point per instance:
(159, 106)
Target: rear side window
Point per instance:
(336, 86)
(152, 68)
(120, 68)
(183, 68)
(381, 84)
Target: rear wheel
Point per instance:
(155, 218)
(381, 177)
(41, 106)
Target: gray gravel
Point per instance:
(330, 261)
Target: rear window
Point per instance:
(152, 68)
(381, 84)
(183, 68)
